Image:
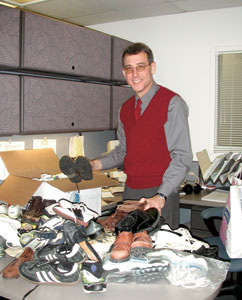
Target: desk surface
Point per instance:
(15, 289)
(191, 199)
(195, 199)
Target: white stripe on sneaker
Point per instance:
(74, 250)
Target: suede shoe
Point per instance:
(121, 248)
(12, 269)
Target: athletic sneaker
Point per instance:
(14, 211)
(65, 252)
(50, 272)
(152, 274)
(137, 262)
(38, 238)
(54, 222)
(77, 212)
(3, 208)
(179, 239)
(185, 270)
(9, 230)
(92, 277)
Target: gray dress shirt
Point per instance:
(178, 142)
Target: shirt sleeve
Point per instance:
(179, 145)
(116, 156)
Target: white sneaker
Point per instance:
(3, 208)
(185, 270)
(14, 211)
(74, 211)
(9, 230)
(178, 239)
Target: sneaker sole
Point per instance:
(76, 170)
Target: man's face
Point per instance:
(140, 80)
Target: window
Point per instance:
(228, 105)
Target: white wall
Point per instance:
(184, 47)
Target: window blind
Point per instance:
(228, 104)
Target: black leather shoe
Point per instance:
(93, 230)
(146, 220)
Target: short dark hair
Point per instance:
(136, 48)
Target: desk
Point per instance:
(194, 202)
(15, 289)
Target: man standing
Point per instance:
(154, 140)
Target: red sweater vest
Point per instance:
(147, 156)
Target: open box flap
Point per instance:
(18, 190)
(31, 163)
(99, 180)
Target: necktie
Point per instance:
(137, 111)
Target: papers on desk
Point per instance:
(217, 196)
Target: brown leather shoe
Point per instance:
(142, 243)
(122, 210)
(11, 270)
(121, 248)
(35, 208)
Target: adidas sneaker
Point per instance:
(65, 252)
(50, 272)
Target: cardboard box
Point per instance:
(24, 166)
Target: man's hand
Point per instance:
(155, 201)
(96, 164)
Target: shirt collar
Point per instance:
(149, 95)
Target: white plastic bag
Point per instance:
(231, 227)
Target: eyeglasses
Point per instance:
(138, 68)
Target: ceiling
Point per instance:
(92, 12)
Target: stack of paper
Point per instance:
(220, 168)
(217, 196)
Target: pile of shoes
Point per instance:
(62, 242)
(49, 241)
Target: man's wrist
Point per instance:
(162, 195)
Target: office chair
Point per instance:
(233, 283)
